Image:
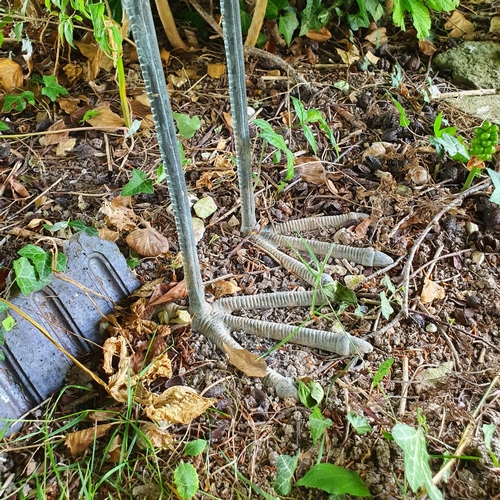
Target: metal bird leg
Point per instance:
(216, 321)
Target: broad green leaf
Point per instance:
(26, 277)
(80, 226)
(360, 424)
(8, 323)
(285, 468)
(161, 174)
(383, 370)
(52, 89)
(340, 293)
(419, 14)
(18, 102)
(359, 20)
(308, 134)
(389, 284)
(310, 394)
(318, 424)
(417, 470)
(385, 306)
(495, 179)
(3, 307)
(186, 480)
(138, 184)
(186, 125)
(440, 5)
(194, 448)
(287, 24)
(334, 480)
(246, 20)
(313, 115)
(3, 126)
(449, 144)
(314, 17)
(300, 110)
(273, 8)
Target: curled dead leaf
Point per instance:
(158, 437)
(250, 364)
(79, 441)
(221, 288)
(176, 292)
(11, 75)
(55, 138)
(310, 169)
(431, 291)
(458, 25)
(120, 216)
(108, 234)
(178, 405)
(319, 36)
(148, 242)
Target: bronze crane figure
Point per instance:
(215, 320)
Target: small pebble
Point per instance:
(471, 227)
(478, 258)
(431, 328)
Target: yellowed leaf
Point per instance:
(310, 169)
(160, 367)
(250, 364)
(106, 118)
(372, 58)
(216, 70)
(228, 118)
(158, 437)
(319, 36)
(349, 56)
(64, 147)
(69, 104)
(11, 75)
(221, 288)
(178, 405)
(18, 188)
(431, 291)
(165, 56)
(148, 242)
(495, 24)
(79, 441)
(458, 25)
(176, 81)
(113, 346)
(114, 449)
(377, 37)
(73, 72)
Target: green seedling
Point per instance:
(360, 424)
(444, 141)
(403, 119)
(488, 431)
(51, 88)
(383, 370)
(74, 224)
(394, 296)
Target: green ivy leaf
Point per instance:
(310, 394)
(52, 89)
(318, 424)
(360, 424)
(3, 126)
(26, 277)
(273, 8)
(417, 470)
(340, 293)
(186, 125)
(285, 468)
(334, 480)
(18, 102)
(383, 370)
(80, 226)
(194, 448)
(138, 184)
(3, 307)
(288, 23)
(8, 323)
(186, 480)
(419, 13)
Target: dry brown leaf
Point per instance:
(11, 75)
(228, 119)
(179, 291)
(69, 104)
(35, 223)
(377, 37)
(111, 347)
(158, 437)
(178, 405)
(146, 351)
(426, 47)
(106, 118)
(221, 288)
(121, 217)
(79, 441)
(62, 136)
(319, 36)
(216, 70)
(362, 228)
(250, 364)
(17, 188)
(159, 368)
(310, 169)
(176, 81)
(349, 56)
(64, 147)
(148, 242)
(190, 72)
(73, 72)
(108, 234)
(459, 25)
(114, 449)
(495, 24)
(431, 291)
(372, 58)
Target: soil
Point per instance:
(385, 170)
